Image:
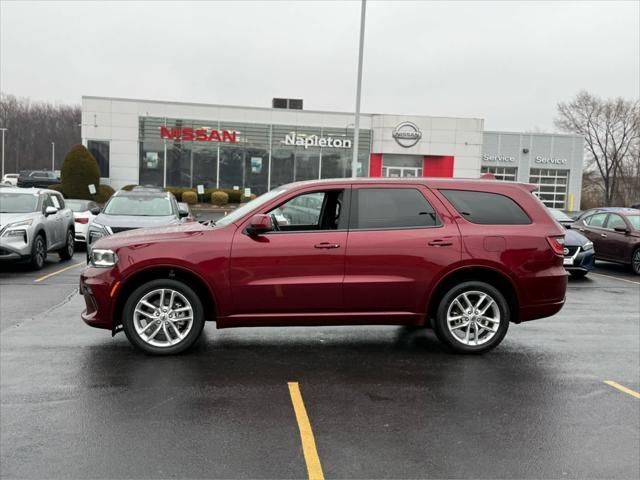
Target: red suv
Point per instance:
(465, 257)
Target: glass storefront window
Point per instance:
(553, 185)
(151, 163)
(502, 173)
(205, 165)
(100, 151)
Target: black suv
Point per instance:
(37, 178)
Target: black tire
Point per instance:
(38, 252)
(635, 261)
(578, 273)
(129, 311)
(66, 252)
(451, 340)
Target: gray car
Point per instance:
(34, 222)
(128, 210)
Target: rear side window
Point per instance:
(615, 221)
(378, 208)
(596, 220)
(486, 208)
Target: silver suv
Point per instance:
(33, 222)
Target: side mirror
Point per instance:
(95, 210)
(624, 230)
(50, 211)
(259, 224)
(183, 213)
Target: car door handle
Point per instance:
(327, 245)
(581, 229)
(440, 243)
(603, 235)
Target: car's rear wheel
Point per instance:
(578, 273)
(163, 317)
(472, 317)
(635, 261)
(66, 252)
(38, 252)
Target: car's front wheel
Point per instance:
(635, 261)
(163, 317)
(472, 317)
(38, 252)
(66, 252)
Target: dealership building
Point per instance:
(220, 146)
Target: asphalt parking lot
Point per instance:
(382, 402)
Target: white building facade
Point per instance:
(186, 144)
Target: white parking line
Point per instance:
(615, 278)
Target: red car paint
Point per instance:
(343, 276)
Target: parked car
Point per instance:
(34, 222)
(615, 234)
(591, 211)
(578, 249)
(10, 179)
(37, 179)
(84, 212)
(132, 210)
(466, 257)
(636, 206)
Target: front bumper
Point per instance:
(14, 249)
(578, 260)
(97, 288)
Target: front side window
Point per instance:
(615, 221)
(310, 211)
(486, 208)
(381, 208)
(596, 220)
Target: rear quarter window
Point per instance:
(486, 208)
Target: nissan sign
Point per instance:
(407, 134)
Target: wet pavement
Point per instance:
(384, 402)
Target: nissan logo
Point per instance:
(565, 251)
(407, 134)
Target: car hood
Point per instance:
(574, 239)
(133, 221)
(151, 235)
(6, 218)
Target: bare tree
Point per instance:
(31, 129)
(611, 129)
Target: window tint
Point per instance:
(486, 208)
(392, 208)
(100, 151)
(615, 221)
(596, 220)
(301, 210)
(634, 220)
(47, 202)
(56, 201)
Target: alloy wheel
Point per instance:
(40, 253)
(635, 262)
(70, 243)
(473, 318)
(163, 317)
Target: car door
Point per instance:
(616, 245)
(298, 268)
(593, 228)
(51, 222)
(398, 245)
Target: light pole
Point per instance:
(53, 156)
(356, 133)
(3, 130)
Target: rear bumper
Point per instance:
(534, 312)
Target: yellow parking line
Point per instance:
(622, 388)
(314, 469)
(57, 272)
(615, 278)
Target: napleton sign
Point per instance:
(199, 135)
(315, 141)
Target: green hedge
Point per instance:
(190, 197)
(219, 198)
(79, 170)
(245, 199)
(104, 193)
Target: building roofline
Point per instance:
(245, 107)
(535, 134)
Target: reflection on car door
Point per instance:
(616, 245)
(297, 269)
(397, 246)
(593, 228)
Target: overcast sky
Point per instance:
(507, 62)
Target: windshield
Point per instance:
(18, 202)
(145, 206)
(258, 202)
(634, 220)
(77, 205)
(560, 216)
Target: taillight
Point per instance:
(82, 220)
(557, 244)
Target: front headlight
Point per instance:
(96, 231)
(587, 246)
(103, 258)
(8, 228)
